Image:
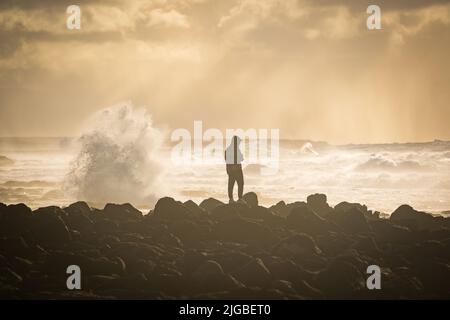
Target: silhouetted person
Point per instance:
(233, 159)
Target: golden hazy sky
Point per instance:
(308, 67)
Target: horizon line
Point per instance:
(281, 139)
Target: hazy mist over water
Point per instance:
(383, 176)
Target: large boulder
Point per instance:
(385, 231)
(78, 216)
(231, 260)
(48, 227)
(283, 210)
(210, 204)
(9, 276)
(225, 211)
(346, 206)
(192, 259)
(351, 221)
(303, 219)
(79, 207)
(243, 231)
(210, 277)
(208, 269)
(340, 279)
(254, 273)
(367, 245)
(15, 246)
(318, 203)
(121, 212)
(190, 232)
(195, 209)
(259, 213)
(2, 209)
(286, 287)
(251, 199)
(435, 276)
(105, 226)
(168, 208)
(407, 216)
(270, 219)
(286, 269)
(298, 244)
(15, 219)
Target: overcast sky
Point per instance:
(308, 67)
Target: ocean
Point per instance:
(58, 171)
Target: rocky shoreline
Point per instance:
(301, 250)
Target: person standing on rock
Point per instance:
(233, 159)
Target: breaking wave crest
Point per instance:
(117, 158)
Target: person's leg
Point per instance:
(231, 180)
(240, 183)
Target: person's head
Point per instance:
(237, 140)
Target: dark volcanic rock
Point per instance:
(351, 221)
(299, 244)
(254, 273)
(224, 211)
(9, 276)
(286, 269)
(251, 199)
(78, 217)
(209, 276)
(106, 226)
(192, 259)
(121, 212)
(48, 228)
(385, 231)
(346, 206)
(261, 213)
(368, 245)
(78, 208)
(15, 219)
(435, 277)
(340, 279)
(168, 208)
(195, 209)
(190, 232)
(243, 231)
(407, 216)
(318, 203)
(14, 246)
(58, 261)
(210, 204)
(283, 210)
(300, 278)
(223, 251)
(231, 260)
(208, 269)
(303, 219)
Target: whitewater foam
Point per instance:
(118, 158)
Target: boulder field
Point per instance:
(301, 250)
